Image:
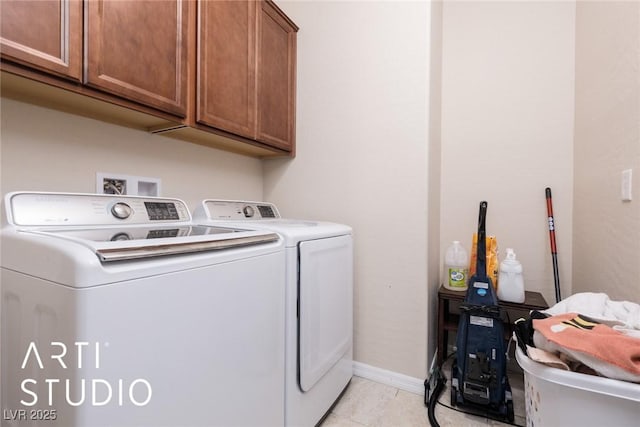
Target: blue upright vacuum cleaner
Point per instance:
(479, 373)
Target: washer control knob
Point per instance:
(248, 211)
(121, 210)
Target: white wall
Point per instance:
(507, 129)
(48, 150)
(362, 138)
(606, 232)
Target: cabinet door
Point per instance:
(137, 49)
(46, 35)
(276, 78)
(226, 95)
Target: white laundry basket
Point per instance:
(555, 397)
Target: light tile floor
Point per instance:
(367, 403)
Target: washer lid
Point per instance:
(119, 228)
(119, 244)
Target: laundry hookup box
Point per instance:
(555, 397)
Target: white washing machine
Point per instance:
(319, 303)
(118, 311)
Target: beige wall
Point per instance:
(47, 150)
(362, 138)
(434, 172)
(606, 231)
(507, 129)
(403, 149)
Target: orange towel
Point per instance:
(607, 351)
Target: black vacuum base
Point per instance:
(503, 411)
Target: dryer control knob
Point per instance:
(121, 210)
(248, 211)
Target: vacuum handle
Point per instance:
(481, 263)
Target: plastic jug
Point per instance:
(510, 278)
(456, 267)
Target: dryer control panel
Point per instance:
(238, 210)
(69, 209)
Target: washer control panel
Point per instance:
(238, 210)
(162, 211)
(71, 209)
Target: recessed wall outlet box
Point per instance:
(625, 187)
(115, 183)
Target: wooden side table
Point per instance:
(449, 313)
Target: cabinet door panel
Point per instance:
(226, 66)
(276, 79)
(43, 34)
(137, 49)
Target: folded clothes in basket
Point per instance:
(623, 316)
(609, 352)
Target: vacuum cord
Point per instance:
(433, 399)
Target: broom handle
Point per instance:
(552, 241)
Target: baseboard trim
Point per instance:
(394, 379)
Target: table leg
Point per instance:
(442, 334)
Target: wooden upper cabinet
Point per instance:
(51, 42)
(224, 67)
(138, 49)
(246, 71)
(226, 95)
(276, 77)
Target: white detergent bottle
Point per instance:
(510, 278)
(456, 267)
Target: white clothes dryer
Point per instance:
(119, 311)
(319, 303)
